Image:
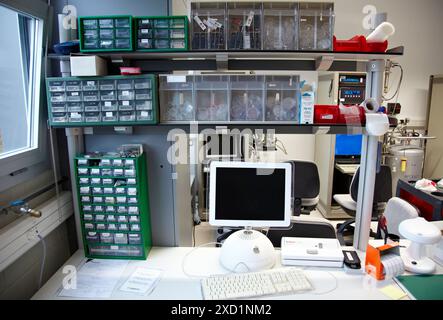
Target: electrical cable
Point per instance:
(42, 267)
(396, 65)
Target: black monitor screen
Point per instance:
(243, 194)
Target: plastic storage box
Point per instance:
(247, 98)
(208, 25)
(316, 26)
(211, 95)
(105, 33)
(111, 100)
(245, 25)
(280, 30)
(114, 207)
(161, 33)
(177, 98)
(282, 98)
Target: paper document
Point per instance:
(96, 279)
(142, 281)
(393, 292)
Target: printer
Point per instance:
(317, 252)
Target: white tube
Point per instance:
(381, 33)
(63, 34)
(370, 105)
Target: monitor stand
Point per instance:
(247, 250)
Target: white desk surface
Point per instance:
(176, 285)
(347, 168)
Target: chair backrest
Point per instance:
(305, 182)
(396, 211)
(383, 185)
(305, 229)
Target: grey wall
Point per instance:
(20, 279)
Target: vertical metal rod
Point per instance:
(75, 146)
(368, 165)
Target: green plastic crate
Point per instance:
(66, 100)
(165, 30)
(95, 247)
(90, 27)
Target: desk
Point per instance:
(347, 168)
(175, 285)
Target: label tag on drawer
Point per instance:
(144, 114)
(199, 22)
(107, 103)
(175, 79)
(126, 103)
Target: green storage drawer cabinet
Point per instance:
(105, 33)
(100, 101)
(113, 200)
(161, 33)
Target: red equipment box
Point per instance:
(359, 44)
(326, 114)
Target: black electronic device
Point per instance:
(351, 260)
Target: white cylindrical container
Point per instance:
(381, 33)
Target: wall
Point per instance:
(416, 25)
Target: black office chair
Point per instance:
(305, 186)
(348, 202)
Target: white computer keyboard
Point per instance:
(253, 284)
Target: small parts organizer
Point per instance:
(110, 100)
(114, 204)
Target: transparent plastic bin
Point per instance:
(279, 26)
(215, 38)
(91, 96)
(59, 117)
(177, 44)
(177, 34)
(316, 26)
(122, 43)
(73, 85)
(161, 23)
(161, 43)
(282, 98)
(142, 83)
(108, 95)
(143, 105)
(211, 94)
(90, 23)
(106, 23)
(91, 34)
(106, 44)
(126, 94)
(89, 85)
(120, 238)
(58, 97)
(126, 116)
(91, 44)
(56, 86)
(145, 44)
(177, 23)
(107, 85)
(145, 23)
(176, 100)
(145, 33)
(109, 106)
(122, 33)
(247, 102)
(115, 250)
(134, 238)
(122, 22)
(126, 105)
(161, 33)
(92, 236)
(143, 94)
(240, 35)
(144, 115)
(125, 84)
(106, 33)
(92, 117)
(75, 117)
(109, 116)
(74, 107)
(58, 107)
(74, 96)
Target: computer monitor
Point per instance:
(348, 145)
(250, 194)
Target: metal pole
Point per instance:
(75, 146)
(368, 165)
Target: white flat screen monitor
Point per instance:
(249, 194)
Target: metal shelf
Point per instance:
(244, 60)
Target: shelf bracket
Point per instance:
(221, 60)
(323, 63)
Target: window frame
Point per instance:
(38, 153)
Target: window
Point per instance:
(23, 134)
(19, 77)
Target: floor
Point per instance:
(205, 234)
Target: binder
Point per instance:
(422, 287)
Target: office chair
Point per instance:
(305, 186)
(348, 202)
(396, 211)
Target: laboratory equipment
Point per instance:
(246, 194)
(245, 25)
(282, 98)
(177, 98)
(105, 33)
(114, 211)
(211, 93)
(247, 101)
(421, 233)
(161, 33)
(250, 285)
(279, 26)
(110, 100)
(208, 25)
(316, 26)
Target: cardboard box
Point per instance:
(88, 66)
